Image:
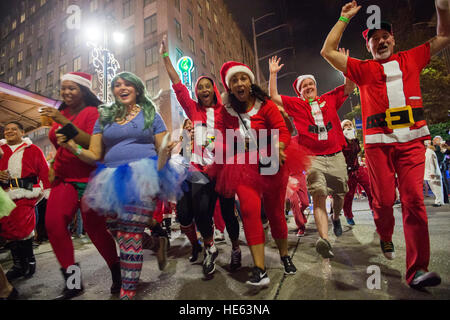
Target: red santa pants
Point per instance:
(408, 161)
(219, 223)
(250, 202)
(62, 205)
(356, 177)
(300, 201)
(20, 222)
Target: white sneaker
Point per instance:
(218, 235)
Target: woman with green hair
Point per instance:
(129, 137)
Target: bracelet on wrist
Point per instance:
(344, 19)
(79, 150)
(165, 54)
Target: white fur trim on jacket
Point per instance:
(19, 193)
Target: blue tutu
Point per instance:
(137, 183)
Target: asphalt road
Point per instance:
(344, 277)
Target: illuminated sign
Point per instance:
(185, 66)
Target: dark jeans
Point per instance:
(198, 205)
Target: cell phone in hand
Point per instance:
(69, 131)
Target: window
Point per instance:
(191, 44)
(22, 17)
(213, 70)
(14, 25)
(11, 63)
(62, 70)
(13, 44)
(77, 64)
(19, 75)
(2, 68)
(152, 86)
(76, 40)
(51, 55)
(150, 25)
(178, 29)
(208, 23)
(177, 4)
(65, 4)
(39, 63)
(20, 56)
(38, 85)
(63, 48)
(29, 51)
(179, 54)
(11, 79)
(215, 17)
(190, 19)
(49, 79)
(202, 33)
(130, 35)
(43, 2)
(146, 2)
(33, 9)
(28, 69)
(203, 55)
(128, 8)
(151, 55)
(21, 37)
(208, 4)
(3, 52)
(199, 10)
(40, 42)
(93, 5)
(130, 64)
(41, 22)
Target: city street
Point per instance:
(344, 277)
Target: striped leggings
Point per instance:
(128, 229)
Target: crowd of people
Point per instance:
(117, 164)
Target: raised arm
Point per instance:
(163, 51)
(442, 38)
(274, 68)
(349, 84)
(330, 48)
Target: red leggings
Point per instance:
(250, 202)
(218, 220)
(62, 205)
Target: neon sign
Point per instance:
(185, 66)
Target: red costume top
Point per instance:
(391, 100)
(67, 166)
(317, 122)
(26, 161)
(204, 120)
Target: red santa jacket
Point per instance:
(26, 161)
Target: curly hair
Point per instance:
(255, 91)
(108, 113)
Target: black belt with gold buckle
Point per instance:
(402, 118)
(25, 183)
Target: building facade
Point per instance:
(37, 47)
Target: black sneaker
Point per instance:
(196, 250)
(425, 279)
(209, 265)
(337, 228)
(388, 249)
(235, 259)
(323, 247)
(259, 278)
(289, 267)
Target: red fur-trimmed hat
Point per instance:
(230, 68)
(81, 78)
(298, 82)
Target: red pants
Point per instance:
(408, 161)
(20, 222)
(300, 201)
(356, 177)
(62, 205)
(250, 202)
(218, 220)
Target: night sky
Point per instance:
(309, 22)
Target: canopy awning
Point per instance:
(17, 104)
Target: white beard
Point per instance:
(382, 56)
(350, 134)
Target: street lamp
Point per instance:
(103, 60)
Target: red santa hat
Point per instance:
(298, 82)
(81, 78)
(344, 122)
(230, 68)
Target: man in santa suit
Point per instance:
(23, 171)
(319, 129)
(394, 128)
(356, 174)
